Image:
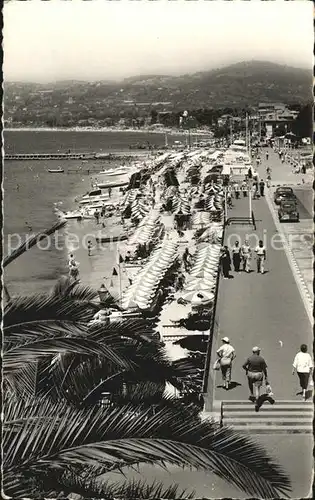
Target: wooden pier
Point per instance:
(122, 155)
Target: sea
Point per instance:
(30, 194)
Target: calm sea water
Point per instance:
(30, 193)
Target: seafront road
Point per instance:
(265, 310)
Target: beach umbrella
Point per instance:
(202, 273)
(195, 298)
(199, 285)
(129, 304)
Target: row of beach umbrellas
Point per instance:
(201, 219)
(129, 198)
(201, 283)
(143, 291)
(140, 207)
(213, 233)
(214, 203)
(145, 229)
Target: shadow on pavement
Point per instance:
(232, 385)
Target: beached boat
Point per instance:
(115, 171)
(111, 184)
(95, 196)
(74, 214)
(56, 170)
(110, 238)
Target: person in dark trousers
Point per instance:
(267, 155)
(303, 365)
(97, 216)
(262, 187)
(187, 259)
(256, 370)
(89, 247)
(225, 262)
(236, 256)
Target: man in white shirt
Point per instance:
(226, 354)
(261, 256)
(246, 252)
(303, 365)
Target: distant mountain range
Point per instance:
(238, 85)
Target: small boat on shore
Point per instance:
(110, 238)
(56, 170)
(74, 214)
(112, 184)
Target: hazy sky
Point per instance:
(102, 39)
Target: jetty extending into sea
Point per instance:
(118, 155)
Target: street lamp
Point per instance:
(102, 293)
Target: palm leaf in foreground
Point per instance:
(42, 316)
(17, 358)
(112, 438)
(72, 289)
(86, 487)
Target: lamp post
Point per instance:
(102, 293)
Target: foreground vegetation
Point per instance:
(82, 401)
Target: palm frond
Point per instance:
(17, 358)
(127, 490)
(32, 241)
(73, 290)
(43, 315)
(113, 437)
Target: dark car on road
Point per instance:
(283, 193)
(288, 211)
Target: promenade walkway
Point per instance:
(264, 310)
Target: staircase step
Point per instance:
(278, 402)
(269, 408)
(263, 421)
(273, 429)
(267, 414)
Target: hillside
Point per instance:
(238, 85)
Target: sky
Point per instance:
(102, 39)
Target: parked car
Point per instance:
(288, 211)
(283, 192)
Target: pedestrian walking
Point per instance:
(229, 199)
(267, 155)
(236, 256)
(89, 247)
(97, 216)
(236, 188)
(109, 192)
(262, 187)
(246, 254)
(255, 190)
(256, 370)
(226, 354)
(268, 170)
(303, 366)
(244, 188)
(268, 181)
(260, 256)
(73, 267)
(225, 262)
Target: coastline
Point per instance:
(169, 131)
